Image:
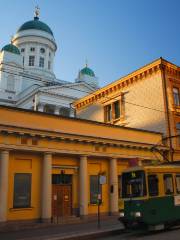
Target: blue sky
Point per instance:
(116, 36)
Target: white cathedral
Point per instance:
(27, 79)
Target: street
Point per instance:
(144, 235)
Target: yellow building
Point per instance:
(49, 165)
(147, 99)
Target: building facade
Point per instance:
(146, 99)
(50, 165)
(27, 78)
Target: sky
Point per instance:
(115, 36)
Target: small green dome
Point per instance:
(35, 24)
(87, 71)
(11, 48)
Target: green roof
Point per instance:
(87, 71)
(11, 48)
(35, 24)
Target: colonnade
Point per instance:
(46, 203)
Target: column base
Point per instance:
(46, 220)
(113, 213)
(83, 217)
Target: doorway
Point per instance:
(61, 195)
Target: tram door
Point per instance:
(62, 199)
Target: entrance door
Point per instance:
(61, 200)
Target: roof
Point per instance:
(11, 48)
(87, 71)
(35, 24)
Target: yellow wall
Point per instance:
(25, 163)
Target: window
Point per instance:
(32, 49)
(22, 49)
(49, 65)
(95, 189)
(178, 183)
(34, 141)
(178, 132)
(61, 178)
(49, 109)
(176, 96)
(41, 62)
(153, 185)
(65, 112)
(31, 60)
(117, 109)
(10, 83)
(168, 184)
(24, 140)
(133, 184)
(42, 50)
(112, 111)
(108, 113)
(119, 186)
(22, 190)
(23, 61)
(49, 54)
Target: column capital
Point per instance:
(83, 157)
(48, 153)
(4, 151)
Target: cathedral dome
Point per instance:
(11, 48)
(37, 25)
(87, 71)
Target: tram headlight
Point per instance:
(121, 214)
(137, 214)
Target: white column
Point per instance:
(41, 107)
(4, 166)
(83, 195)
(56, 111)
(46, 187)
(113, 186)
(71, 112)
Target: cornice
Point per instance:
(130, 79)
(119, 84)
(67, 137)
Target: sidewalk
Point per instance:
(76, 231)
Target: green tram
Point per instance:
(151, 196)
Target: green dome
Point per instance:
(11, 48)
(35, 24)
(87, 71)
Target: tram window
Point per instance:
(119, 186)
(168, 184)
(178, 183)
(133, 184)
(153, 185)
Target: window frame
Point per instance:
(176, 96)
(166, 175)
(31, 61)
(28, 191)
(110, 113)
(93, 198)
(41, 62)
(155, 194)
(32, 49)
(177, 176)
(42, 50)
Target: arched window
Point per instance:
(10, 83)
